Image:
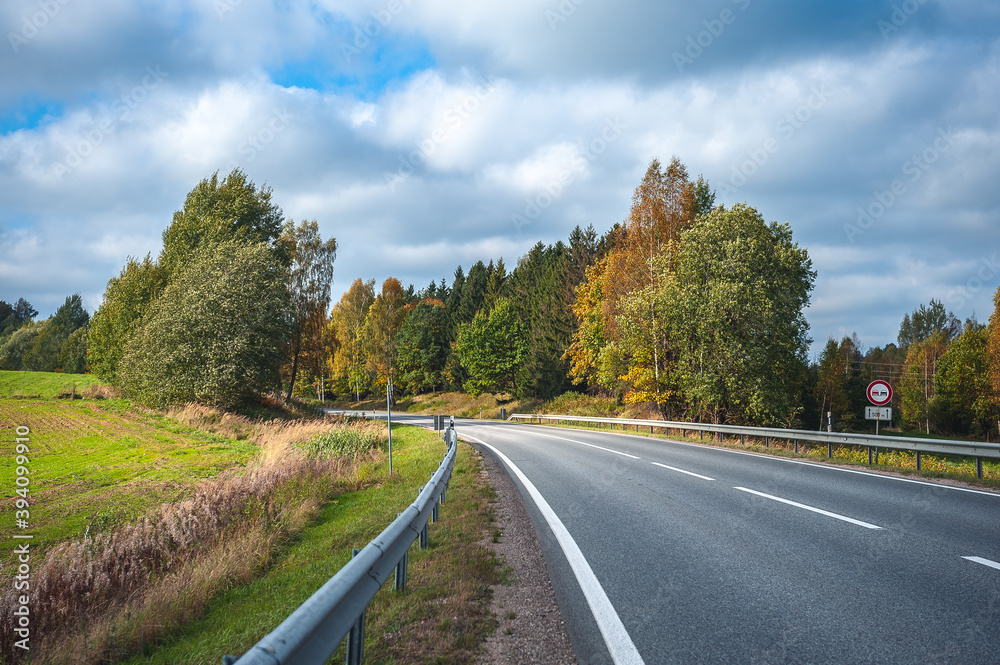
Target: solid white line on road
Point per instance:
(673, 468)
(589, 445)
(617, 639)
(815, 510)
(985, 562)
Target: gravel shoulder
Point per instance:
(530, 628)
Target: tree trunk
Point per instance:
(295, 368)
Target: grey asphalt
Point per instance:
(702, 572)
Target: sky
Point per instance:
(427, 134)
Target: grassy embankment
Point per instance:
(224, 502)
(575, 404)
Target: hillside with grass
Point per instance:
(142, 521)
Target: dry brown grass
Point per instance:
(99, 598)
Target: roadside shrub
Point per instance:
(348, 439)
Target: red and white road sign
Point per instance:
(879, 393)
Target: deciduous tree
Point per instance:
(385, 317)
(310, 276)
(346, 323)
(127, 300)
(736, 302)
(215, 335)
(492, 347)
(232, 208)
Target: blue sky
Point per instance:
(425, 134)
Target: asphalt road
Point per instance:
(679, 553)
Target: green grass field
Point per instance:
(99, 463)
(44, 384)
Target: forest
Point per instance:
(688, 308)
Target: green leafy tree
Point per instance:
(216, 333)
(993, 358)
(962, 385)
(422, 346)
(310, 277)
(220, 210)
(73, 353)
(47, 346)
(925, 322)
(492, 347)
(831, 385)
(14, 316)
(736, 303)
(127, 299)
(917, 383)
(18, 344)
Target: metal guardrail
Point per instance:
(312, 633)
(871, 441)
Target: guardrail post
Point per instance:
(767, 442)
(869, 454)
(701, 435)
(356, 636)
(743, 440)
(434, 512)
(918, 460)
(796, 442)
(425, 536)
(979, 467)
(829, 449)
(402, 570)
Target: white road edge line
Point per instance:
(815, 510)
(589, 445)
(985, 562)
(673, 468)
(617, 639)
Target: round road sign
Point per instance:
(879, 393)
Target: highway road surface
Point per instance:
(672, 552)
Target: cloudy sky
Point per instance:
(424, 134)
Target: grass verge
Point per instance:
(19, 385)
(443, 616)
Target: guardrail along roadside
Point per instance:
(314, 631)
(870, 441)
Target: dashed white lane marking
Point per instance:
(810, 508)
(589, 445)
(985, 562)
(690, 473)
(617, 639)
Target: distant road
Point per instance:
(709, 555)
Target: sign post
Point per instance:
(879, 393)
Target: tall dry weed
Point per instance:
(91, 593)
